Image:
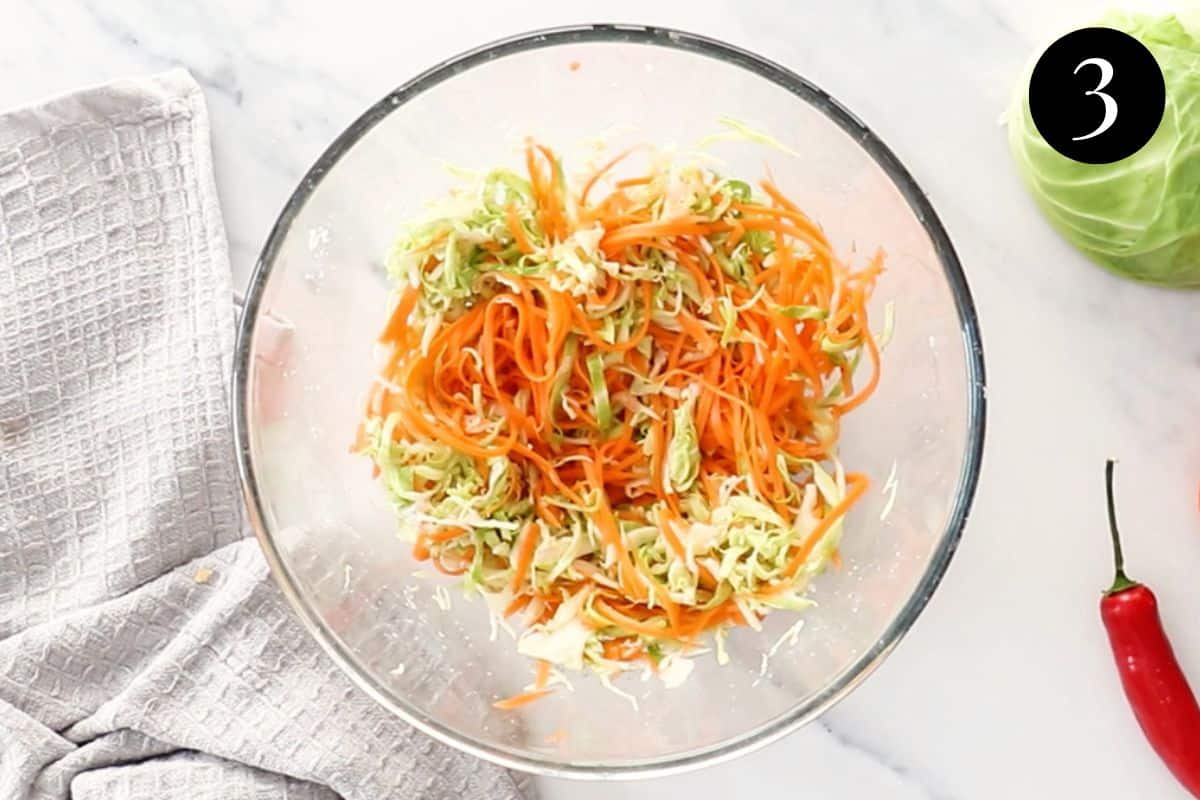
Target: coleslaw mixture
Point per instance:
(613, 407)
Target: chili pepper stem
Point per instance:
(1121, 582)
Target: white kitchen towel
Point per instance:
(144, 651)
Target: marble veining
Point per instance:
(1005, 686)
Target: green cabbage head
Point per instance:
(1139, 217)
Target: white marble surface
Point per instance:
(1005, 687)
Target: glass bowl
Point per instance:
(304, 359)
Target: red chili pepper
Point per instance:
(1154, 684)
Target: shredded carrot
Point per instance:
(517, 604)
(398, 323)
(542, 675)
(518, 231)
(857, 487)
(622, 620)
(529, 541)
(518, 700)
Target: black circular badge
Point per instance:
(1097, 95)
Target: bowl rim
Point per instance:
(968, 479)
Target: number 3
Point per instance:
(1110, 105)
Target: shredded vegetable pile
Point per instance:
(613, 408)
